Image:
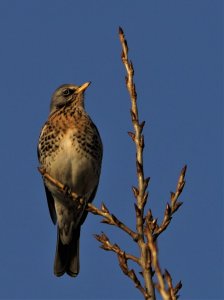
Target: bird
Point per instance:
(70, 150)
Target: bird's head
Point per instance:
(66, 94)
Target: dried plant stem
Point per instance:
(140, 192)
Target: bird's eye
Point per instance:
(67, 92)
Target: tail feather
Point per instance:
(67, 256)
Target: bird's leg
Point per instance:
(68, 195)
(67, 191)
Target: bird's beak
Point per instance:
(82, 88)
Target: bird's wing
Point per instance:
(51, 206)
(85, 213)
(50, 199)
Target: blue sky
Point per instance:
(176, 48)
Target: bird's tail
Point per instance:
(67, 256)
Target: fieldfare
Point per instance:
(70, 151)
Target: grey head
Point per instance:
(68, 93)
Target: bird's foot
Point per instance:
(67, 191)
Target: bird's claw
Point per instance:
(67, 191)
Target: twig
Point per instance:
(172, 290)
(163, 279)
(108, 246)
(122, 259)
(174, 204)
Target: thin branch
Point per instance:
(111, 219)
(108, 246)
(61, 187)
(140, 192)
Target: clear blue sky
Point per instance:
(176, 48)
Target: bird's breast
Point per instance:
(74, 165)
